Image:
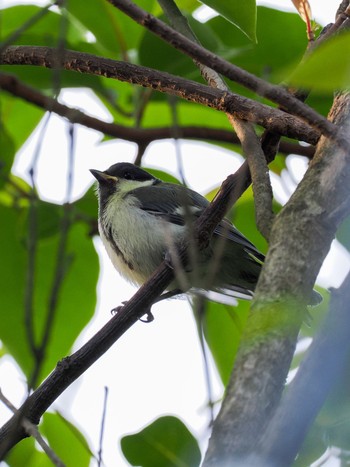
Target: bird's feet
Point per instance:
(149, 316)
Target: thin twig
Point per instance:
(32, 430)
(102, 429)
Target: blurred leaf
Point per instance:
(241, 14)
(223, 325)
(15, 128)
(25, 453)
(343, 233)
(168, 58)
(165, 442)
(7, 154)
(313, 447)
(87, 206)
(15, 192)
(115, 33)
(46, 31)
(49, 218)
(163, 176)
(66, 440)
(258, 59)
(327, 68)
(278, 164)
(75, 305)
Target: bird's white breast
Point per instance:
(142, 238)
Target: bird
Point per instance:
(141, 218)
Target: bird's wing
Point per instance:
(174, 199)
(227, 230)
(173, 203)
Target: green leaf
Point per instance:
(165, 442)
(168, 58)
(68, 443)
(343, 233)
(46, 31)
(257, 58)
(163, 176)
(328, 67)
(17, 129)
(76, 299)
(241, 14)
(223, 327)
(114, 32)
(25, 453)
(243, 217)
(7, 154)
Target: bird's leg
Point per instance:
(166, 295)
(148, 313)
(149, 316)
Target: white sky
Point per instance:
(157, 368)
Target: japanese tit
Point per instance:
(141, 217)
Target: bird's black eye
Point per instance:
(128, 176)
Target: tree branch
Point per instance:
(272, 92)
(140, 136)
(242, 107)
(70, 368)
(300, 239)
(325, 362)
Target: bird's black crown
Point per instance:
(129, 172)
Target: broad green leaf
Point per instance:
(327, 68)
(66, 440)
(115, 33)
(25, 453)
(46, 31)
(76, 299)
(171, 60)
(18, 129)
(257, 58)
(343, 233)
(223, 326)
(165, 442)
(241, 14)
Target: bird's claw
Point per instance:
(149, 316)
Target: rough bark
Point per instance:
(300, 239)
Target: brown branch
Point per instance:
(260, 177)
(70, 368)
(251, 146)
(272, 92)
(227, 102)
(140, 136)
(299, 241)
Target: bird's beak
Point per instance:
(102, 177)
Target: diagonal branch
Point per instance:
(300, 239)
(270, 91)
(70, 368)
(141, 136)
(228, 102)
